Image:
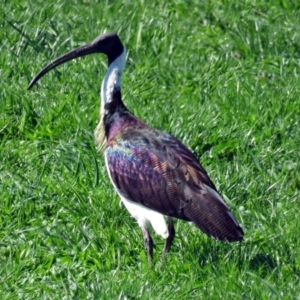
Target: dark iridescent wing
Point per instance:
(156, 170)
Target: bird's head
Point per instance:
(108, 44)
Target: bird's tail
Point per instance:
(209, 212)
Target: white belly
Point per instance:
(146, 217)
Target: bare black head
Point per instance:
(108, 44)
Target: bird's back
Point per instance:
(156, 170)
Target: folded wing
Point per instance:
(158, 171)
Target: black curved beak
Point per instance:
(81, 51)
(108, 44)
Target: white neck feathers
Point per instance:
(112, 80)
(111, 83)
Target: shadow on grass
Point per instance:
(262, 263)
(216, 252)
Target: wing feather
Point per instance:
(158, 171)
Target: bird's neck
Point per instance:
(110, 96)
(112, 82)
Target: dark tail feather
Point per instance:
(208, 212)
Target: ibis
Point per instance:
(156, 176)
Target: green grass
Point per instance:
(222, 76)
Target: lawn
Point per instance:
(222, 76)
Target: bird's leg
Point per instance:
(170, 238)
(148, 244)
